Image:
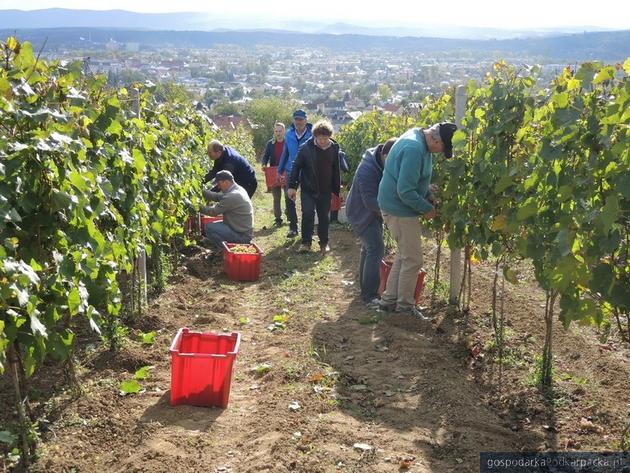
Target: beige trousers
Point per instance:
(401, 283)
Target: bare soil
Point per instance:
(376, 392)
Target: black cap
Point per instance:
(224, 176)
(299, 114)
(446, 133)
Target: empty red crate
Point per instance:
(271, 176)
(241, 266)
(386, 267)
(201, 367)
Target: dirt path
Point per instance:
(403, 387)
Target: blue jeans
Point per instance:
(291, 212)
(311, 204)
(372, 250)
(218, 232)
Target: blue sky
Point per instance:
(478, 13)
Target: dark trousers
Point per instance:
(251, 188)
(276, 192)
(310, 204)
(291, 212)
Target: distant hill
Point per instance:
(67, 18)
(603, 46)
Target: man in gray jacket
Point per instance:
(236, 207)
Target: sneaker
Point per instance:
(413, 311)
(305, 248)
(374, 304)
(278, 223)
(384, 306)
(292, 234)
(323, 249)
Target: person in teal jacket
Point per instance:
(403, 196)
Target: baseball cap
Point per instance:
(446, 134)
(299, 114)
(224, 176)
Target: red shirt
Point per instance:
(277, 152)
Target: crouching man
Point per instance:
(236, 207)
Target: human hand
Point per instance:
(430, 214)
(282, 179)
(292, 194)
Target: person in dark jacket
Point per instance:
(364, 215)
(297, 134)
(228, 159)
(316, 169)
(271, 157)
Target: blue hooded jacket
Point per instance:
(361, 205)
(291, 146)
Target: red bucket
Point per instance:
(386, 267)
(271, 176)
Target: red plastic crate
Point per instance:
(386, 267)
(335, 202)
(201, 367)
(241, 266)
(271, 176)
(205, 219)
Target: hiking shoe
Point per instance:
(305, 248)
(323, 249)
(292, 233)
(278, 223)
(384, 306)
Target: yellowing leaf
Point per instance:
(499, 223)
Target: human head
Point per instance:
(278, 131)
(224, 179)
(386, 147)
(322, 131)
(215, 149)
(299, 119)
(439, 138)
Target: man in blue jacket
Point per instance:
(297, 134)
(366, 220)
(403, 196)
(228, 159)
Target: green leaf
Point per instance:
(130, 386)
(114, 128)
(143, 372)
(139, 162)
(74, 301)
(610, 213)
(7, 437)
(148, 338)
(606, 73)
(560, 100)
(626, 66)
(37, 327)
(243, 320)
(505, 182)
(529, 208)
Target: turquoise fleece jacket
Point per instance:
(404, 188)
